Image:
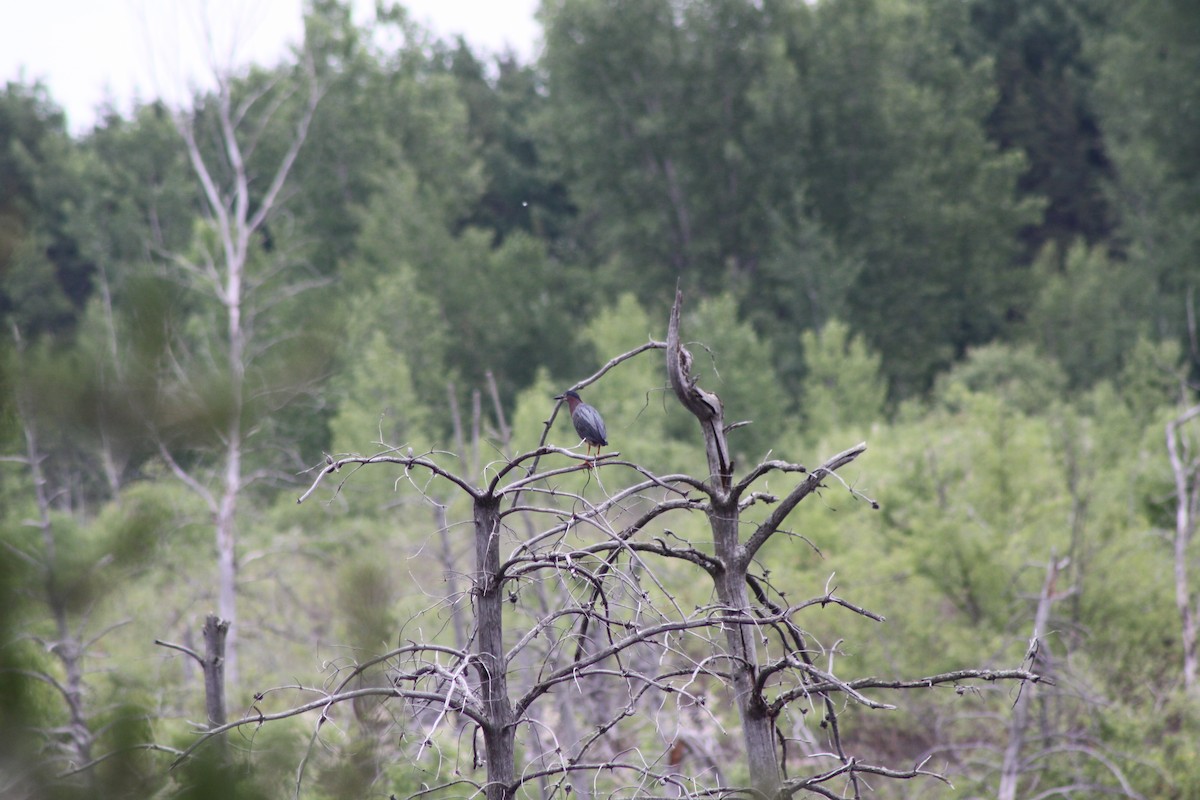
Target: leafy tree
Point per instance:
(901, 119)
(513, 306)
(1044, 107)
(802, 285)
(384, 76)
(1153, 377)
(43, 277)
(1089, 310)
(381, 401)
(686, 131)
(649, 109)
(141, 200)
(843, 385)
(389, 313)
(521, 192)
(1025, 380)
(1147, 99)
(972, 490)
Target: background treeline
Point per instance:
(966, 231)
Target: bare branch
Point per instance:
(802, 490)
(388, 457)
(267, 205)
(161, 748)
(181, 648)
(929, 682)
(324, 703)
(851, 767)
(762, 469)
(186, 477)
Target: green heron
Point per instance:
(588, 422)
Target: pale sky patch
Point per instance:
(91, 51)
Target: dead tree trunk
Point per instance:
(1185, 468)
(66, 645)
(499, 728)
(757, 724)
(215, 631)
(1011, 766)
(237, 213)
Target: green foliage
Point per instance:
(1023, 379)
(506, 302)
(381, 408)
(33, 296)
(140, 193)
(980, 504)
(1044, 108)
(1152, 377)
(803, 284)
(1147, 96)
(532, 408)
(366, 597)
(136, 526)
(843, 388)
(208, 777)
(619, 79)
(1088, 312)
(520, 191)
(43, 278)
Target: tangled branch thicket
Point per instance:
(590, 667)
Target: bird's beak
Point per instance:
(559, 396)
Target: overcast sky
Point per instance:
(87, 51)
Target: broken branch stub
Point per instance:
(705, 406)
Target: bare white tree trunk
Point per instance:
(1011, 766)
(226, 540)
(1184, 468)
(235, 219)
(214, 663)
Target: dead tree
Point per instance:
(616, 628)
(730, 569)
(1010, 768)
(1049, 726)
(67, 643)
(237, 211)
(1185, 470)
(486, 696)
(212, 666)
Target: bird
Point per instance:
(587, 420)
